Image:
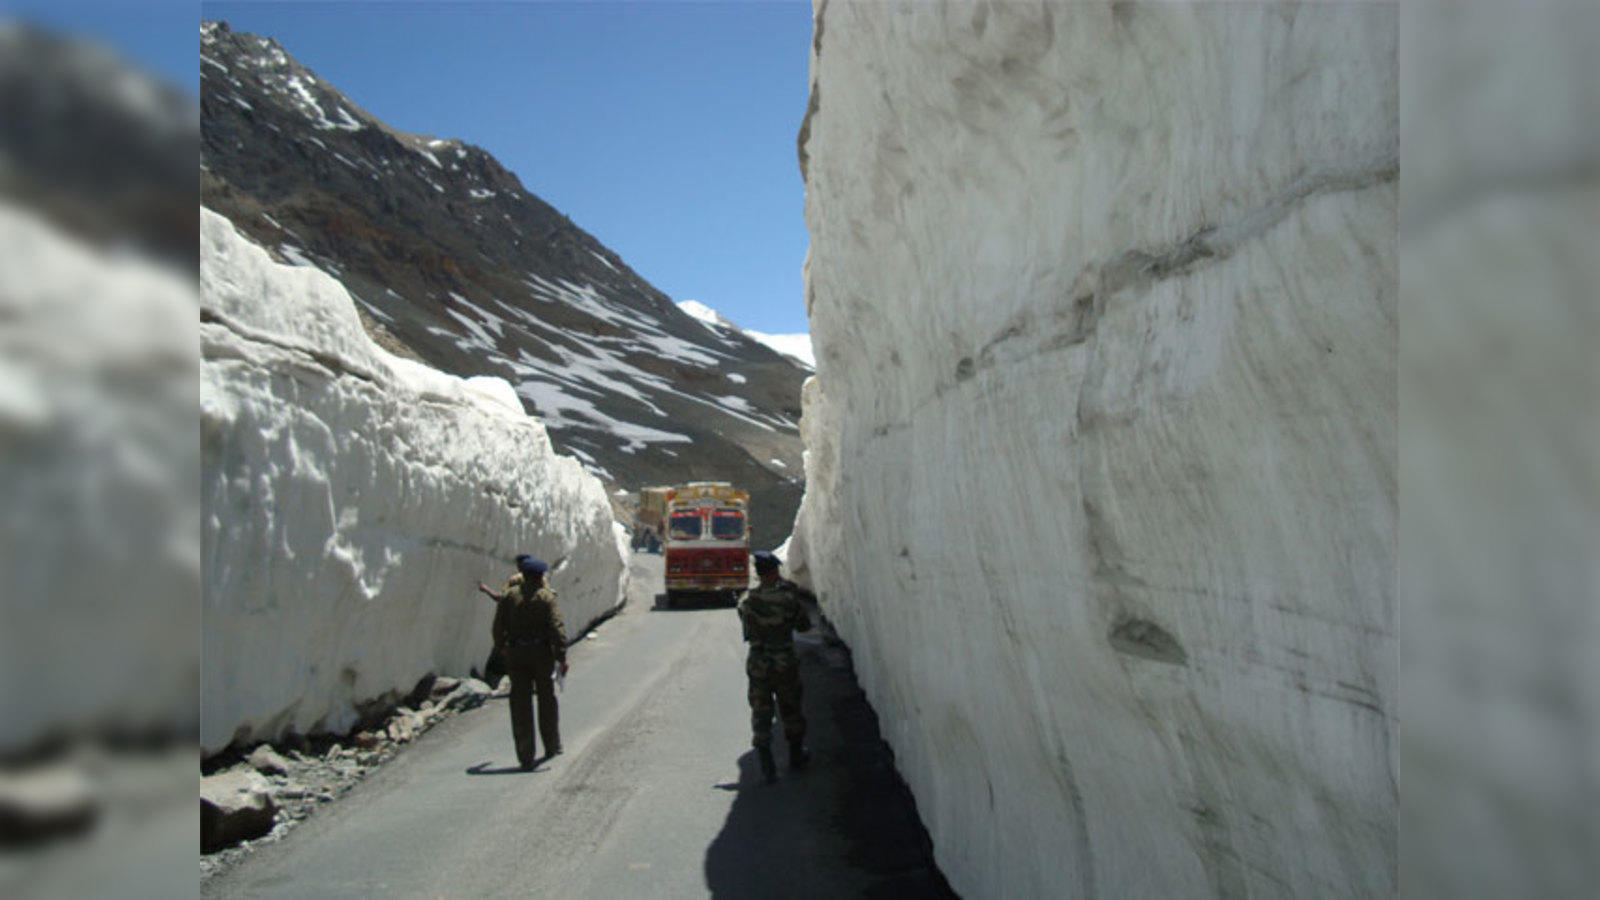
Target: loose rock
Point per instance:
(469, 694)
(235, 805)
(40, 805)
(400, 729)
(267, 761)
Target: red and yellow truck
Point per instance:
(708, 541)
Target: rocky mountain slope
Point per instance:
(454, 263)
(794, 346)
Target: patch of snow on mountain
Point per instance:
(296, 256)
(347, 122)
(557, 405)
(351, 498)
(706, 315)
(490, 320)
(307, 102)
(676, 348)
(590, 300)
(794, 346)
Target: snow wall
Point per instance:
(352, 499)
(1101, 450)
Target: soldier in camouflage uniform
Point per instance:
(532, 639)
(771, 612)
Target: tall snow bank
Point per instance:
(1102, 445)
(351, 501)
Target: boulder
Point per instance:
(235, 805)
(267, 761)
(443, 685)
(43, 805)
(470, 693)
(401, 728)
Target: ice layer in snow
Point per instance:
(1101, 455)
(351, 501)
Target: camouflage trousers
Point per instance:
(774, 675)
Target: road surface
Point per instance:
(657, 795)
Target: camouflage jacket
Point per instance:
(771, 615)
(526, 617)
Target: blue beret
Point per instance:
(530, 566)
(767, 560)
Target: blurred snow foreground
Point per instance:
(1101, 449)
(351, 500)
(98, 506)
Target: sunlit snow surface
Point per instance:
(1101, 458)
(794, 346)
(351, 501)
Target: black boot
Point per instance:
(798, 755)
(769, 769)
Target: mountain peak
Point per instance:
(453, 262)
(796, 347)
(706, 314)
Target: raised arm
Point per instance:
(498, 628)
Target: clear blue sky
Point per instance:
(665, 129)
(159, 35)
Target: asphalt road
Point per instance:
(657, 795)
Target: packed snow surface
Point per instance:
(1101, 453)
(351, 501)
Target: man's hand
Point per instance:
(562, 668)
(485, 588)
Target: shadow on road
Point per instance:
(846, 826)
(483, 769)
(694, 601)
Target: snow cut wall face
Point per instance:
(1101, 450)
(351, 501)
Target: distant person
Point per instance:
(532, 639)
(771, 612)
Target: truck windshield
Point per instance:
(727, 526)
(684, 527)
